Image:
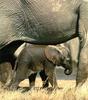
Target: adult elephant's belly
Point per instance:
(37, 21)
(54, 27)
(51, 27)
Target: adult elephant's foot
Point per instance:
(82, 83)
(76, 93)
(82, 89)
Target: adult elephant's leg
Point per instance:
(32, 78)
(82, 74)
(44, 78)
(10, 73)
(5, 72)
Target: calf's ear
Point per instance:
(51, 54)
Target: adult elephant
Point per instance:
(44, 22)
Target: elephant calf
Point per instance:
(34, 58)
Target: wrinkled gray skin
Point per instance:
(44, 22)
(34, 58)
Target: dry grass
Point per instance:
(62, 94)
